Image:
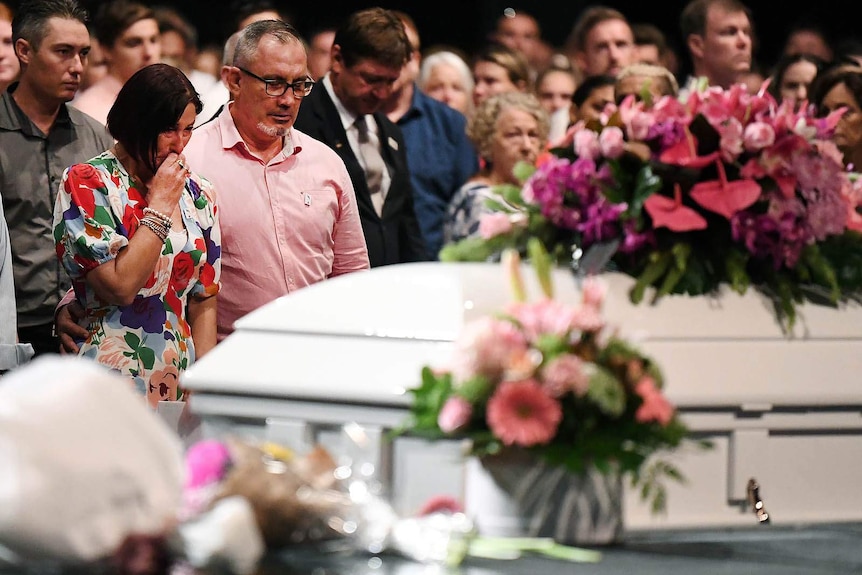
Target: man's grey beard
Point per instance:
(274, 131)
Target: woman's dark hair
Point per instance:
(849, 75)
(590, 84)
(786, 62)
(150, 102)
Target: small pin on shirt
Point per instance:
(307, 199)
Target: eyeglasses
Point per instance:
(276, 88)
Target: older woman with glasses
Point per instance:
(139, 235)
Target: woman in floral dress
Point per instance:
(138, 233)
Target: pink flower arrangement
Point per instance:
(726, 188)
(552, 378)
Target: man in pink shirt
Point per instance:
(286, 204)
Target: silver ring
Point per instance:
(181, 164)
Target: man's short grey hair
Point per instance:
(251, 35)
(229, 49)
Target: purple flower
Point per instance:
(779, 236)
(147, 313)
(213, 249)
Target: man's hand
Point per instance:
(68, 329)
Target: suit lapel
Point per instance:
(333, 135)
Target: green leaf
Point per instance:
(734, 265)
(475, 389)
(132, 340)
(510, 193)
(646, 184)
(104, 217)
(473, 249)
(659, 262)
(607, 392)
(147, 357)
(680, 253)
(822, 270)
(523, 171)
(542, 264)
(551, 345)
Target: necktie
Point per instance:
(369, 149)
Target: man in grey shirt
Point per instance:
(40, 136)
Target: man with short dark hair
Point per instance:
(41, 135)
(720, 40)
(345, 113)
(440, 155)
(601, 42)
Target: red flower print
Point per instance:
(207, 274)
(182, 271)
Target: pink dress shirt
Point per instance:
(285, 224)
(97, 100)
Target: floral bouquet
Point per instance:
(726, 188)
(553, 379)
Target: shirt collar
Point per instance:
(347, 118)
(230, 137)
(12, 117)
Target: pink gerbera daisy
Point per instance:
(522, 413)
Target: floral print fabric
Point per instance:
(98, 211)
(465, 210)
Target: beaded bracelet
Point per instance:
(164, 219)
(156, 227)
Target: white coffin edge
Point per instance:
(364, 337)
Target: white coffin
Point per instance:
(786, 411)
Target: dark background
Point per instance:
(465, 23)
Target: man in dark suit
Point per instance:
(368, 53)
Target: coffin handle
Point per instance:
(753, 491)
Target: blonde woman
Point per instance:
(506, 129)
(498, 69)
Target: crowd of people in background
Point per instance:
(322, 151)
